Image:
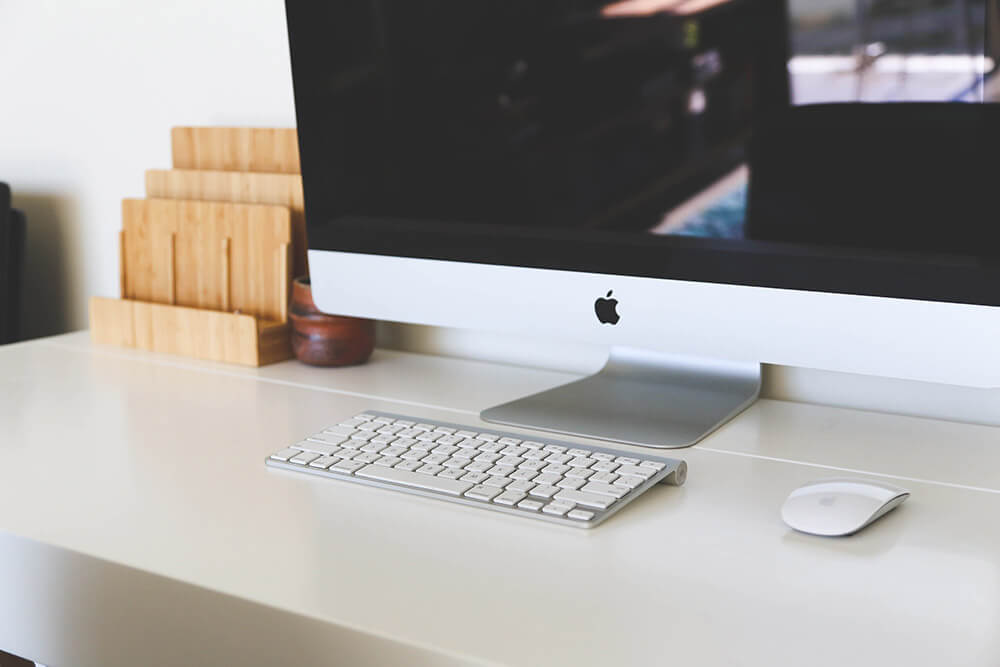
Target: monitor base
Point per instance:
(640, 398)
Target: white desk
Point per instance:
(139, 525)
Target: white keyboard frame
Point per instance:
(674, 473)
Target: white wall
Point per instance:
(88, 92)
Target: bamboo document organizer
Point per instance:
(209, 279)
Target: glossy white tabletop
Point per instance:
(139, 523)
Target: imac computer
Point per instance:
(702, 186)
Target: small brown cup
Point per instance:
(319, 339)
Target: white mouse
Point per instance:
(840, 506)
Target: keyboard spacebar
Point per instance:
(415, 479)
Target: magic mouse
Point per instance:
(840, 506)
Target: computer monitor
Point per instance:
(638, 174)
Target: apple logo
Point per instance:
(607, 309)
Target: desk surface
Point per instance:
(139, 523)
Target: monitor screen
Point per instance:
(813, 144)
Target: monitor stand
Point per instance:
(640, 398)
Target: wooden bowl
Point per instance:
(319, 339)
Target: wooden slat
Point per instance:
(190, 332)
(269, 150)
(238, 187)
(172, 254)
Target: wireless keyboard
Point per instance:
(544, 479)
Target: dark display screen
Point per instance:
(803, 145)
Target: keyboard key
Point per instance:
(479, 466)
(631, 481)
(547, 478)
(497, 481)
(434, 458)
(509, 441)
(501, 471)
(323, 462)
(544, 491)
(452, 487)
(410, 433)
(353, 444)
(424, 426)
(389, 430)
(581, 473)
(450, 440)
(451, 473)
(404, 423)
(520, 485)
(413, 455)
(509, 498)
(328, 438)
(445, 430)
(371, 426)
(408, 466)
(510, 461)
(374, 447)
(483, 492)
(383, 420)
(364, 436)
(580, 515)
(533, 466)
(582, 462)
(318, 447)
(342, 431)
(655, 465)
(595, 500)
(487, 457)
(578, 452)
(389, 461)
(602, 456)
(475, 477)
(366, 457)
(606, 489)
(286, 454)
(605, 466)
(555, 449)
(556, 469)
(531, 444)
(491, 447)
(456, 463)
(570, 483)
(348, 467)
(393, 450)
(302, 458)
(351, 423)
(606, 477)
(513, 450)
(636, 470)
(422, 445)
(488, 437)
(627, 460)
(558, 458)
(365, 416)
(535, 454)
(523, 474)
(466, 434)
(464, 454)
(447, 450)
(384, 439)
(429, 436)
(558, 508)
(530, 505)
(430, 469)
(471, 443)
